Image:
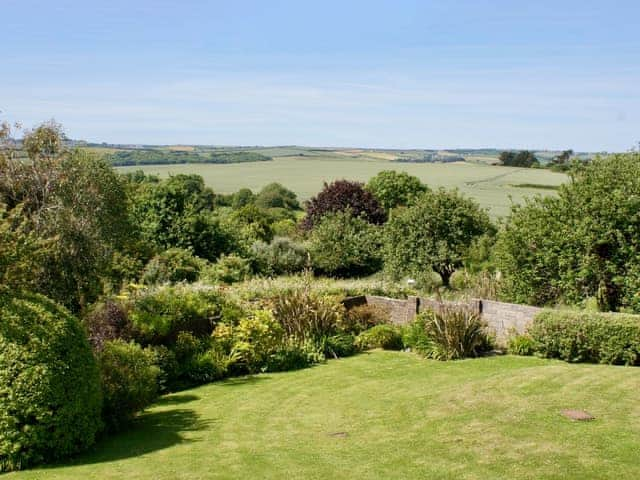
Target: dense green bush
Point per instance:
(449, 333)
(252, 341)
(521, 345)
(339, 345)
(582, 243)
(129, 381)
(294, 355)
(50, 397)
(171, 266)
(387, 337)
(344, 245)
(587, 336)
(435, 234)
(281, 256)
(395, 189)
(158, 315)
(227, 270)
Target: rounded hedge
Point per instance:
(50, 397)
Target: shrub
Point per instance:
(229, 269)
(129, 381)
(107, 321)
(460, 280)
(294, 355)
(452, 333)
(340, 345)
(521, 345)
(435, 234)
(50, 397)
(363, 317)
(344, 195)
(158, 315)
(281, 256)
(171, 266)
(252, 341)
(306, 315)
(587, 336)
(344, 245)
(387, 337)
(394, 189)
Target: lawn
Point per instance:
(494, 187)
(384, 415)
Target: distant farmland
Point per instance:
(305, 170)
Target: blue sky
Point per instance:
(440, 74)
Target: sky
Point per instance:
(381, 74)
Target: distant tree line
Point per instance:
(523, 158)
(166, 157)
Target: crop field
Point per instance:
(305, 170)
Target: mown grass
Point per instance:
(384, 415)
(491, 186)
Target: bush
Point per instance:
(587, 336)
(229, 269)
(344, 195)
(50, 397)
(172, 266)
(345, 246)
(340, 345)
(160, 314)
(252, 341)
(435, 234)
(394, 189)
(460, 280)
(363, 317)
(521, 345)
(294, 355)
(107, 321)
(281, 256)
(387, 337)
(306, 315)
(451, 333)
(129, 381)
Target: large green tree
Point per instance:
(435, 234)
(583, 243)
(76, 202)
(394, 189)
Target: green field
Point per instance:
(492, 186)
(384, 415)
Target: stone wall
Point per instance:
(503, 319)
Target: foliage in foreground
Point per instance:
(50, 397)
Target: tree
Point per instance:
(584, 243)
(178, 212)
(344, 245)
(344, 195)
(435, 234)
(275, 195)
(76, 202)
(393, 189)
(523, 158)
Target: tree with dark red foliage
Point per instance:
(340, 196)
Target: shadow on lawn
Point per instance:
(150, 432)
